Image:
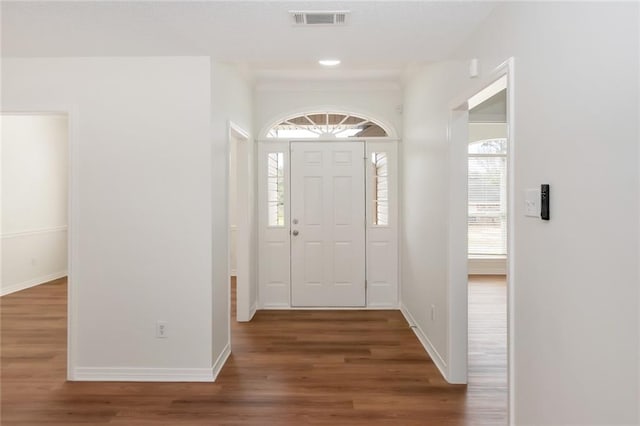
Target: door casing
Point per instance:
(382, 291)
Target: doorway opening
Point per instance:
(35, 153)
(241, 228)
(488, 186)
(481, 237)
(36, 198)
(328, 212)
(328, 224)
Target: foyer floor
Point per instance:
(287, 368)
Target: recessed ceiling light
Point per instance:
(329, 62)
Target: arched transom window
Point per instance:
(327, 125)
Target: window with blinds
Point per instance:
(487, 216)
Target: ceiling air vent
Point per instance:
(309, 18)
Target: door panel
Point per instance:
(313, 198)
(382, 228)
(328, 216)
(273, 222)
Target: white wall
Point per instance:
(425, 196)
(34, 200)
(576, 276)
(141, 208)
(481, 131)
(233, 204)
(274, 100)
(231, 97)
(379, 100)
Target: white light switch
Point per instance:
(532, 203)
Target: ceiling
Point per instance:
(381, 39)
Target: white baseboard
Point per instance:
(426, 343)
(253, 311)
(383, 307)
(330, 308)
(276, 307)
(32, 283)
(124, 374)
(119, 374)
(222, 359)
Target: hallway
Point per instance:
(287, 367)
(487, 388)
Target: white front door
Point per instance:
(327, 224)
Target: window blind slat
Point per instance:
(487, 214)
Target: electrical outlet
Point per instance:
(162, 330)
(433, 312)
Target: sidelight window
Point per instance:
(275, 188)
(380, 188)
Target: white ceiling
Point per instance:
(382, 37)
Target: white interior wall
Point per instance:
(141, 208)
(381, 100)
(482, 131)
(638, 260)
(34, 200)
(576, 276)
(425, 196)
(246, 261)
(232, 101)
(233, 204)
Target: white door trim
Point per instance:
(274, 283)
(244, 311)
(274, 253)
(457, 285)
(383, 290)
(73, 191)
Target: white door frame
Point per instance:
(73, 185)
(274, 287)
(244, 206)
(458, 230)
(274, 280)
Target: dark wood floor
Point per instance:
(287, 368)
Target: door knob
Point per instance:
(295, 232)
